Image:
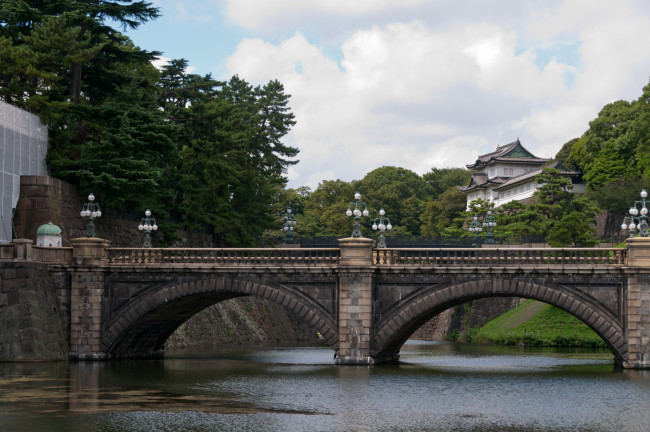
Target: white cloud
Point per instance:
(162, 61)
(255, 13)
(414, 94)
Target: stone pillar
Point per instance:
(355, 301)
(89, 251)
(23, 248)
(86, 298)
(638, 303)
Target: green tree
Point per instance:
(441, 179)
(568, 218)
(123, 162)
(562, 217)
(617, 143)
(233, 164)
(564, 155)
(63, 62)
(575, 227)
(441, 213)
(609, 164)
(400, 192)
(325, 208)
(617, 195)
(518, 221)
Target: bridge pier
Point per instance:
(638, 303)
(86, 299)
(355, 302)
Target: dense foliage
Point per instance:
(406, 197)
(207, 153)
(614, 153)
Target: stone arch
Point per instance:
(401, 321)
(140, 328)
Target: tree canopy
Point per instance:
(207, 153)
(617, 144)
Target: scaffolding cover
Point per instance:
(23, 146)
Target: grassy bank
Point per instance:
(536, 324)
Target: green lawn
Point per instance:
(537, 324)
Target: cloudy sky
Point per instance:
(417, 83)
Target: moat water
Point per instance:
(435, 387)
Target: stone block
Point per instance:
(634, 303)
(13, 323)
(354, 309)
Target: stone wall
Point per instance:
(436, 329)
(45, 199)
(30, 325)
(456, 320)
(241, 321)
(608, 226)
(486, 309)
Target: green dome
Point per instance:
(48, 229)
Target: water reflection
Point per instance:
(434, 387)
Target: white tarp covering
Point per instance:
(23, 146)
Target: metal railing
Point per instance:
(225, 256)
(499, 257)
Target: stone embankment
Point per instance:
(244, 321)
(453, 322)
(30, 325)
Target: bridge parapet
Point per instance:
(224, 256)
(24, 250)
(499, 257)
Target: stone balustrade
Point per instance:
(24, 250)
(499, 257)
(224, 256)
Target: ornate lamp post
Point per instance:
(147, 224)
(382, 224)
(638, 218)
(91, 211)
(289, 223)
(489, 222)
(475, 227)
(356, 228)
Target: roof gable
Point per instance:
(518, 151)
(507, 153)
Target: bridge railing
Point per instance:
(497, 256)
(224, 256)
(25, 251)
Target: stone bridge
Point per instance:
(365, 302)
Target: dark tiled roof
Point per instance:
(501, 155)
(524, 177)
(480, 180)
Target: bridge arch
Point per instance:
(404, 318)
(141, 327)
